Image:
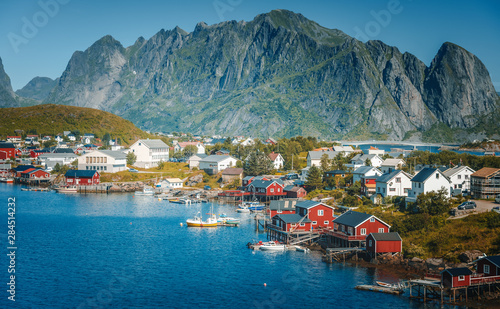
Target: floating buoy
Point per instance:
(181, 224)
(159, 199)
(265, 284)
(130, 223)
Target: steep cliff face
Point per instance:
(7, 96)
(458, 87)
(277, 75)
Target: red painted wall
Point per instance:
(371, 227)
(283, 212)
(382, 246)
(494, 271)
(452, 282)
(9, 153)
(71, 181)
(307, 227)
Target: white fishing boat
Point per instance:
(272, 246)
(6, 179)
(243, 209)
(67, 189)
(145, 191)
(223, 218)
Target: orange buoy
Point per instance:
(265, 284)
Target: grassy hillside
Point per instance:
(51, 119)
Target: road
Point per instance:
(482, 206)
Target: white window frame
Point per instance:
(372, 219)
(381, 230)
(370, 243)
(362, 231)
(321, 212)
(302, 224)
(326, 222)
(315, 222)
(486, 268)
(461, 278)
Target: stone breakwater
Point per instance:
(126, 186)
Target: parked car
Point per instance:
(133, 170)
(207, 188)
(467, 205)
(497, 199)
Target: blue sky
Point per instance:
(37, 38)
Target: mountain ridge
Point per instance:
(280, 75)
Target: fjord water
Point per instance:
(121, 251)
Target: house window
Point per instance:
(372, 219)
(398, 179)
(383, 190)
(461, 278)
(362, 231)
(315, 222)
(378, 189)
(280, 211)
(370, 243)
(486, 269)
(419, 185)
(437, 176)
(320, 212)
(392, 189)
(459, 177)
(302, 224)
(272, 190)
(381, 230)
(326, 222)
(466, 176)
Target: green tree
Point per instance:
(189, 150)
(433, 203)
(161, 165)
(57, 168)
(325, 163)
(258, 163)
(368, 162)
(49, 143)
(355, 188)
(131, 158)
(314, 179)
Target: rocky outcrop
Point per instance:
(194, 180)
(277, 75)
(469, 256)
(7, 96)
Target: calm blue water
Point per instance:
(120, 251)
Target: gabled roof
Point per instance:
(215, 158)
(263, 183)
(117, 154)
(424, 174)
(461, 271)
(393, 162)
(63, 150)
(310, 204)
(172, 180)
(232, 171)
(316, 155)
(248, 178)
(363, 157)
(392, 236)
(184, 144)
(22, 168)
(385, 178)
(292, 188)
(29, 170)
(455, 170)
(486, 172)
(282, 205)
(354, 218)
(199, 155)
(362, 170)
(273, 156)
(81, 173)
(6, 145)
(292, 218)
(495, 259)
(343, 148)
(153, 143)
(337, 172)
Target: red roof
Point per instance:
(28, 170)
(273, 156)
(184, 144)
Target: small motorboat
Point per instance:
(254, 206)
(272, 246)
(7, 180)
(66, 189)
(388, 285)
(223, 218)
(243, 209)
(145, 191)
(197, 221)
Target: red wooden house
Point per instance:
(489, 266)
(17, 171)
(7, 151)
(248, 179)
(377, 243)
(82, 177)
(295, 192)
(291, 222)
(35, 174)
(456, 277)
(320, 214)
(268, 189)
(368, 185)
(284, 207)
(352, 228)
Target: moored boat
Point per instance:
(243, 208)
(6, 180)
(66, 189)
(145, 191)
(254, 206)
(273, 246)
(228, 220)
(388, 285)
(197, 221)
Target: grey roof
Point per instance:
(58, 155)
(363, 157)
(248, 178)
(199, 155)
(80, 173)
(393, 236)
(454, 170)
(392, 162)
(388, 176)
(347, 148)
(63, 150)
(232, 171)
(7, 145)
(154, 143)
(292, 218)
(307, 204)
(282, 205)
(215, 158)
(352, 218)
(362, 170)
(261, 183)
(316, 155)
(117, 154)
(424, 174)
(461, 271)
